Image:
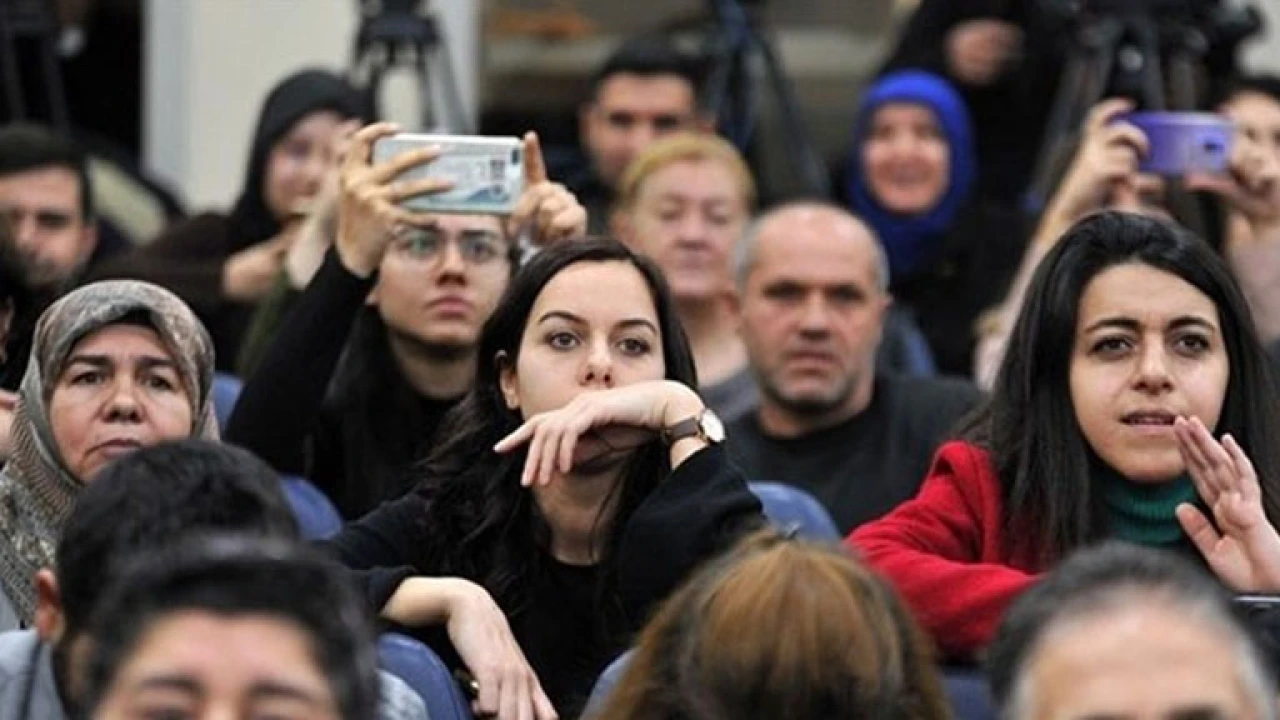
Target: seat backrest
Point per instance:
(316, 515)
(793, 510)
(424, 671)
(605, 684)
(226, 390)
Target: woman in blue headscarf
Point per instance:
(912, 177)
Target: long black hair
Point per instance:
(479, 522)
(1029, 423)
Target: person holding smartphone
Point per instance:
(381, 344)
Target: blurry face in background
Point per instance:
(630, 112)
(906, 159)
(437, 286)
(1257, 116)
(687, 217)
(52, 240)
(298, 161)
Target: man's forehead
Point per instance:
(633, 90)
(468, 222)
(49, 183)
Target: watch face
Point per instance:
(712, 427)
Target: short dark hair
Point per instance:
(233, 576)
(1261, 83)
(1106, 578)
(25, 146)
(155, 497)
(648, 55)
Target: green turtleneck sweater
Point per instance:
(1144, 513)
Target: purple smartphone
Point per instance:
(1183, 143)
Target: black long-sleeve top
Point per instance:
(693, 515)
(287, 415)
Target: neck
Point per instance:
(579, 511)
(438, 373)
(779, 420)
(718, 351)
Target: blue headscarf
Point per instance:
(911, 242)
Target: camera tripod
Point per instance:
(30, 21)
(734, 44)
(396, 33)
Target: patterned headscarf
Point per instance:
(37, 490)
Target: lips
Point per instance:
(1149, 418)
(451, 304)
(118, 445)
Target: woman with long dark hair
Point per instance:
(1134, 403)
(576, 484)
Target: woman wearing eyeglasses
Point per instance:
(382, 342)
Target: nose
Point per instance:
(597, 368)
(451, 263)
(24, 228)
(124, 405)
(814, 318)
(1152, 374)
(641, 135)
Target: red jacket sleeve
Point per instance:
(944, 552)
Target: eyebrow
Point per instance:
(181, 683)
(147, 361)
(570, 317)
(1128, 323)
(269, 689)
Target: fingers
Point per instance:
(1245, 472)
(1105, 112)
(1198, 528)
(361, 146)
(1196, 463)
(404, 161)
(406, 189)
(542, 707)
(535, 169)
(515, 439)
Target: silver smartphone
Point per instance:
(487, 172)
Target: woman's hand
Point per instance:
(1244, 549)
(1106, 161)
(507, 686)
(249, 275)
(368, 214)
(1251, 186)
(549, 211)
(553, 437)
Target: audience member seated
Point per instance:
(684, 202)
(1125, 632)
(780, 629)
(578, 483)
(646, 89)
(383, 341)
(143, 504)
(218, 628)
(912, 178)
(813, 285)
(1005, 58)
(1135, 403)
(115, 366)
(1104, 175)
(47, 201)
(224, 264)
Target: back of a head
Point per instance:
(1102, 582)
(648, 55)
(781, 629)
(155, 497)
(25, 147)
(230, 578)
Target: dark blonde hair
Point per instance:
(780, 629)
(686, 147)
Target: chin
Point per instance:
(1152, 471)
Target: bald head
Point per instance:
(811, 219)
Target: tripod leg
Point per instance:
(57, 97)
(449, 86)
(806, 158)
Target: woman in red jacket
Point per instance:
(1135, 403)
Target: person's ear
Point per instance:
(371, 299)
(586, 118)
(507, 379)
(621, 226)
(50, 622)
(704, 121)
(88, 239)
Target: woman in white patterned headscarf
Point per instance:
(114, 366)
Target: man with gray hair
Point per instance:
(812, 285)
(1120, 631)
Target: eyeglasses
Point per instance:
(477, 247)
(46, 220)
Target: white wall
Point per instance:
(1263, 54)
(210, 63)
